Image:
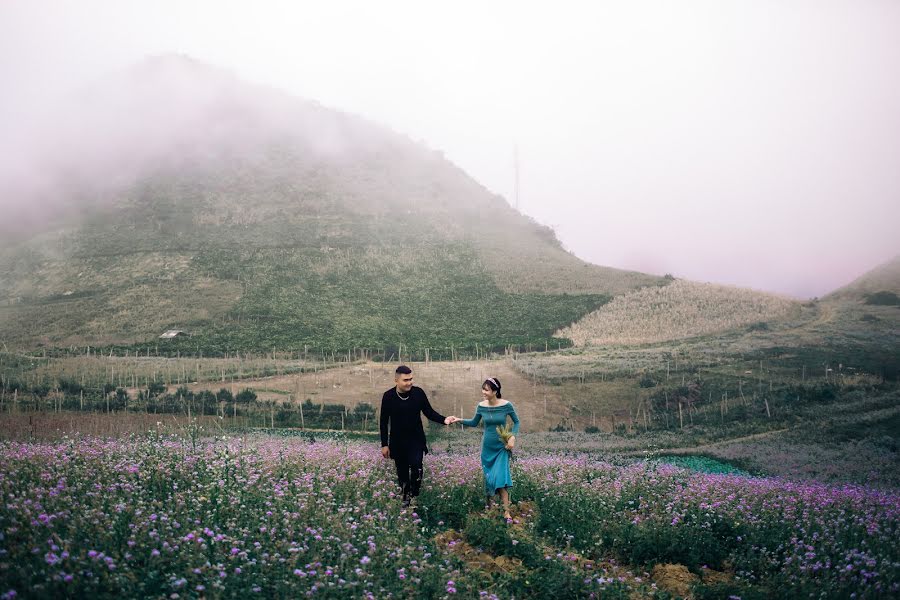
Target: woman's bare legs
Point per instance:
(504, 497)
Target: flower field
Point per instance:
(185, 517)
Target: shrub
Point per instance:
(121, 396)
(883, 298)
(647, 382)
(246, 396)
(69, 386)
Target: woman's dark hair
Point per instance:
(494, 384)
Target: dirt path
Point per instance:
(673, 578)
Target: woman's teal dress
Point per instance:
(494, 455)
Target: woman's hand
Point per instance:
(510, 444)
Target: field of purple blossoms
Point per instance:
(178, 517)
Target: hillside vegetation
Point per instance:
(255, 220)
(679, 310)
(883, 278)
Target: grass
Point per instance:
(681, 309)
(367, 304)
(251, 301)
(373, 250)
(702, 464)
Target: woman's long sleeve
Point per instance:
(473, 421)
(515, 419)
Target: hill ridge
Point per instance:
(238, 218)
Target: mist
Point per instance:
(748, 143)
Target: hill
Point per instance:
(177, 196)
(884, 279)
(682, 309)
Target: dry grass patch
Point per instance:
(680, 310)
(453, 387)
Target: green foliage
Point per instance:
(442, 300)
(596, 525)
(815, 393)
(121, 396)
(68, 386)
(449, 507)
(327, 416)
(492, 534)
(882, 431)
(281, 252)
(245, 396)
(744, 591)
(883, 298)
(40, 390)
(553, 578)
(691, 546)
(702, 464)
(647, 382)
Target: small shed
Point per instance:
(173, 333)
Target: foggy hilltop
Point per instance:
(245, 213)
(174, 195)
(169, 112)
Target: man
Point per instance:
(402, 435)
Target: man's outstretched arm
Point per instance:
(432, 414)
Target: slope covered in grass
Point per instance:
(252, 218)
(681, 309)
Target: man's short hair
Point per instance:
(403, 370)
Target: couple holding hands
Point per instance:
(403, 438)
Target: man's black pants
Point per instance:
(409, 469)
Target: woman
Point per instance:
(494, 453)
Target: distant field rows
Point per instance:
(679, 310)
(95, 370)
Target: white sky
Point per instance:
(751, 142)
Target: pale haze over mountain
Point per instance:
(753, 143)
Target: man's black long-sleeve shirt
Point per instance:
(401, 421)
